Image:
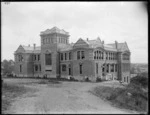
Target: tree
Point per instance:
(132, 71)
(8, 66)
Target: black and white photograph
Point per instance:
(74, 57)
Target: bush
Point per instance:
(98, 79)
(87, 79)
(72, 79)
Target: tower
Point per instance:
(50, 39)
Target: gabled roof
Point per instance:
(90, 43)
(65, 47)
(54, 30)
(121, 46)
(95, 43)
(109, 47)
(30, 49)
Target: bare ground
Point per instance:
(64, 97)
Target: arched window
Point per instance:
(102, 55)
(97, 54)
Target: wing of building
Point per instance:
(56, 57)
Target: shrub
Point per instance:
(98, 79)
(87, 79)
(72, 79)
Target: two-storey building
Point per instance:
(85, 58)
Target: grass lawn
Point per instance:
(9, 92)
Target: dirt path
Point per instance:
(67, 97)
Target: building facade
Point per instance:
(56, 57)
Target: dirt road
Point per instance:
(65, 97)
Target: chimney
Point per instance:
(103, 42)
(29, 45)
(87, 39)
(116, 44)
(34, 46)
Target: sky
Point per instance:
(22, 22)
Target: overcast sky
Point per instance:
(22, 23)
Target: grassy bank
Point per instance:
(134, 96)
(10, 92)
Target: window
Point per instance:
(36, 67)
(65, 56)
(34, 57)
(96, 68)
(103, 70)
(38, 57)
(69, 55)
(80, 68)
(107, 67)
(78, 54)
(61, 56)
(63, 67)
(97, 55)
(125, 57)
(124, 79)
(114, 56)
(110, 56)
(102, 55)
(106, 55)
(69, 66)
(112, 68)
(94, 55)
(48, 59)
(116, 68)
(20, 68)
(20, 57)
(82, 54)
